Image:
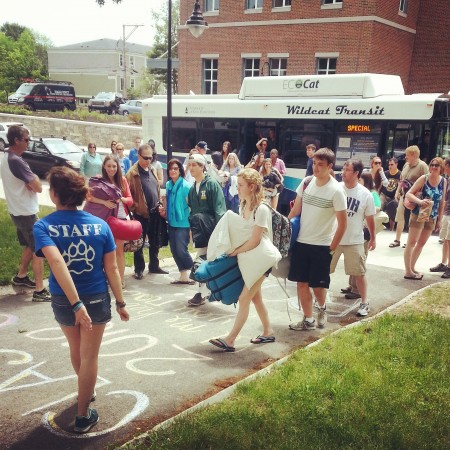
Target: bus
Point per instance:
(356, 115)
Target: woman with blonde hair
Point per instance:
(427, 193)
(231, 164)
(271, 180)
(258, 217)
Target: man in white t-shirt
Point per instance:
(360, 208)
(21, 186)
(323, 207)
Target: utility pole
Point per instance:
(124, 60)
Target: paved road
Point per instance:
(160, 362)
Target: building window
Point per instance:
(403, 7)
(254, 4)
(326, 66)
(132, 83)
(331, 2)
(132, 62)
(251, 67)
(281, 3)
(210, 70)
(278, 67)
(122, 82)
(120, 59)
(211, 5)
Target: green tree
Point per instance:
(12, 30)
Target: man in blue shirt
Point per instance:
(133, 155)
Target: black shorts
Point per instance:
(310, 264)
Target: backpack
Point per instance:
(281, 232)
(223, 278)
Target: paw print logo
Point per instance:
(76, 255)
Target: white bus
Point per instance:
(356, 115)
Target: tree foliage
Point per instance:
(23, 56)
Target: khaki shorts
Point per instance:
(429, 225)
(354, 259)
(24, 229)
(445, 228)
(400, 214)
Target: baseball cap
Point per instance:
(199, 159)
(202, 144)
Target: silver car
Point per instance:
(131, 107)
(4, 131)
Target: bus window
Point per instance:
(184, 134)
(443, 143)
(216, 131)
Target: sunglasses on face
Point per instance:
(92, 146)
(147, 158)
(377, 162)
(26, 139)
(435, 165)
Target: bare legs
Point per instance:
(120, 257)
(247, 296)
(417, 238)
(28, 257)
(84, 347)
(305, 298)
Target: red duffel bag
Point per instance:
(125, 230)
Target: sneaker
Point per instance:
(446, 274)
(84, 424)
(439, 268)
(196, 300)
(42, 296)
(322, 317)
(363, 309)
(139, 275)
(303, 325)
(159, 271)
(352, 296)
(23, 281)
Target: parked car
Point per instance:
(47, 95)
(106, 102)
(4, 131)
(44, 153)
(131, 107)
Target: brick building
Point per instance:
(293, 37)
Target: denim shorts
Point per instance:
(98, 307)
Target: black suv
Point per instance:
(106, 101)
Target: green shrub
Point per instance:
(135, 118)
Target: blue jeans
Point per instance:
(179, 240)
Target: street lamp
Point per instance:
(196, 25)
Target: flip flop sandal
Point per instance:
(394, 244)
(416, 277)
(262, 339)
(190, 282)
(222, 344)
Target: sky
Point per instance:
(67, 22)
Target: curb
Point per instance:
(227, 392)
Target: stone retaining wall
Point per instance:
(79, 132)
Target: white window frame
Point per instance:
(403, 7)
(328, 58)
(280, 61)
(331, 4)
(284, 3)
(252, 72)
(210, 75)
(210, 6)
(255, 6)
(131, 61)
(120, 59)
(132, 82)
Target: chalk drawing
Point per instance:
(142, 402)
(151, 341)
(9, 320)
(26, 357)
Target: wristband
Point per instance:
(121, 305)
(76, 306)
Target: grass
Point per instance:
(382, 385)
(10, 250)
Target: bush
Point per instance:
(10, 109)
(135, 118)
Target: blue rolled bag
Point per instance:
(222, 277)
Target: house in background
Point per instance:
(290, 37)
(97, 66)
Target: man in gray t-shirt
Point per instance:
(21, 186)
